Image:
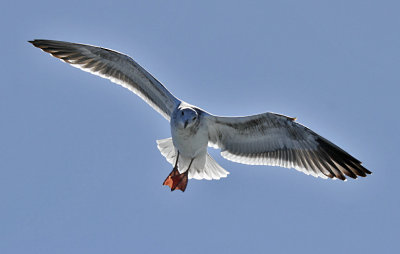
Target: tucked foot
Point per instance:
(176, 180)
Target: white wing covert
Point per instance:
(277, 140)
(117, 67)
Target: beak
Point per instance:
(186, 123)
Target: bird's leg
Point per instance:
(180, 181)
(176, 180)
(168, 181)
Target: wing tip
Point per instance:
(344, 163)
(36, 43)
(33, 42)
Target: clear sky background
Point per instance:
(79, 168)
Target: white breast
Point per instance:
(192, 148)
(189, 143)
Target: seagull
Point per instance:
(263, 139)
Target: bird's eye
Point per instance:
(194, 118)
(182, 113)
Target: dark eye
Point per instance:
(182, 113)
(194, 118)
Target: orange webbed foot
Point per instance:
(168, 181)
(176, 180)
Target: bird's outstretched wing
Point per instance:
(117, 67)
(277, 140)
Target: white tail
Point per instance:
(211, 170)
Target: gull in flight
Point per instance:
(264, 139)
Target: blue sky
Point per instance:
(80, 171)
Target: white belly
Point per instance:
(190, 144)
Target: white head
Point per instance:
(186, 118)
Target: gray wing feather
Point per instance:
(117, 67)
(277, 140)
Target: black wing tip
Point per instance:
(367, 171)
(361, 172)
(352, 167)
(36, 42)
(44, 43)
(354, 172)
(33, 42)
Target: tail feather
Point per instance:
(211, 170)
